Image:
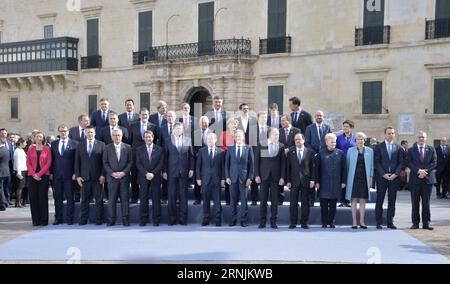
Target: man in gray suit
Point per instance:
(117, 162)
(239, 172)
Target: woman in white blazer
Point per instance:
(20, 170)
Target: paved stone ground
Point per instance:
(16, 222)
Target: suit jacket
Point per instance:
(269, 122)
(11, 149)
(442, 159)
(4, 163)
(242, 170)
(250, 131)
(209, 172)
(135, 137)
(105, 135)
(303, 121)
(178, 164)
(267, 167)
(154, 118)
(165, 137)
(300, 174)
(197, 141)
(261, 137)
(352, 160)
(98, 122)
(89, 168)
(45, 161)
(111, 164)
(383, 164)
(429, 163)
(291, 137)
(145, 165)
(63, 167)
(123, 119)
(220, 126)
(312, 139)
(74, 133)
(192, 125)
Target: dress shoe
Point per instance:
(392, 226)
(2, 208)
(354, 227)
(427, 227)
(292, 226)
(218, 224)
(254, 203)
(347, 205)
(414, 227)
(280, 203)
(183, 223)
(332, 226)
(82, 223)
(36, 224)
(227, 203)
(233, 223)
(155, 224)
(379, 227)
(305, 227)
(142, 224)
(205, 223)
(324, 226)
(112, 223)
(444, 197)
(196, 202)
(126, 223)
(133, 201)
(44, 224)
(262, 226)
(244, 224)
(70, 223)
(57, 223)
(341, 205)
(273, 226)
(99, 223)
(163, 202)
(311, 204)
(363, 227)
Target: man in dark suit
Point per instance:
(422, 163)
(274, 119)
(63, 174)
(117, 162)
(166, 132)
(442, 171)
(149, 162)
(199, 141)
(99, 118)
(159, 118)
(189, 122)
(211, 177)
(315, 133)
(90, 175)
(78, 133)
(239, 172)
(270, 164)
(217, 117)
(248, 124)
(388, 159)
(7, 180)
(300, 180)
(106, 132)
(136, 140)
(4, 172)
(178, 169)
(129, 116)
(299, 117)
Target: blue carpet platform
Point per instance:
(195, 243)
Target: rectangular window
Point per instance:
(442, 25)
(1, 37)
(92, 104)
(442, 96)
(145, 100)
(145, 30)
(372, 97)
(373, 21)
(92, 37)
(14, 108)
(48, 31)
(276, 19)
(276, 96)
(205, 28)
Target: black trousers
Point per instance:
(61, 188)
(118, 188)
(269, 188)
(38, 191)
(211, 191)
(343, 200)
(197, 192)
(254, 192)
(281, 194)
(293, 206)
(227, 194)
(420, 192)
(238, 191)
(6, 182)
(150, 188)
(76, 192)
(328, 209)
(443, 179)
(391, 187)
(134, 181)
(177, 187)
(89, 190)
(2, 194)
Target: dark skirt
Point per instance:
(20, 183)
(360, 190)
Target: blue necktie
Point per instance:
(143, 129)
(211, 156)
(104, 116)
(390, 150)
(63, 148)
(90, 149)
(238, 157)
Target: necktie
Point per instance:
(238, 156)
(149, 151)
(422, 156)
(286, 133)
(160, 120)
(170, 129)
(143, 129)
(129, 118)
(390, 150)
(118, 152)
(295, 117)
(203, 138)
(104, 116)
(82, 134)
(90, 149)
(63, 147)
(320, 132)
(211, 156)
(299, 156)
